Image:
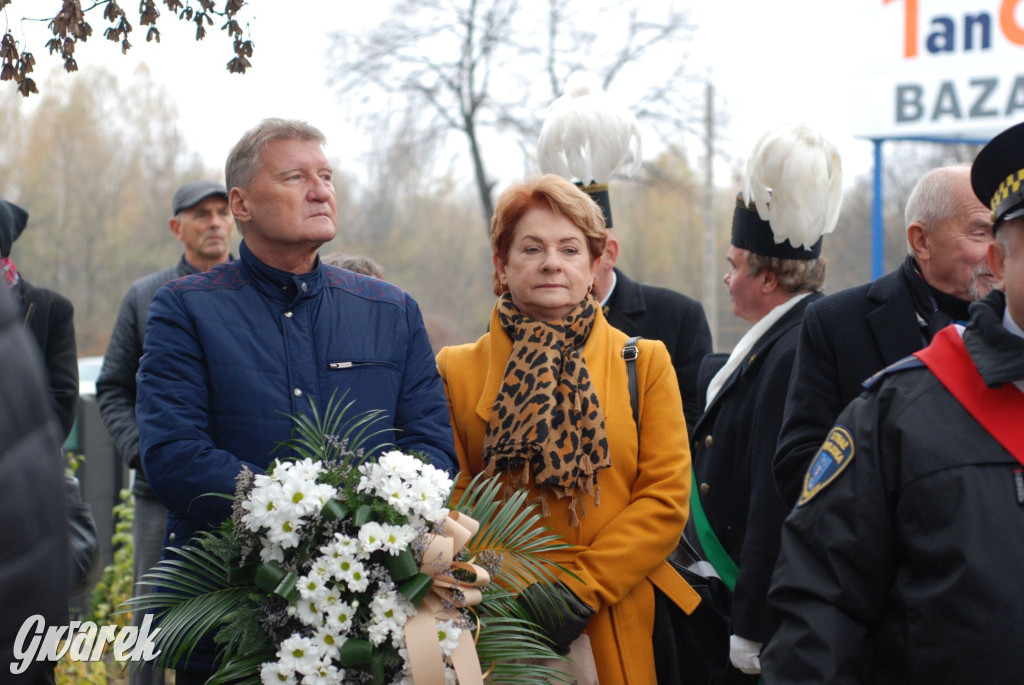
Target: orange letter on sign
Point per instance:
(1008, 22)
(910, 25)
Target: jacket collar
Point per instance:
(789, 320)
(186, 268)
(893, 322)
(997, 352)
(282, 286)
(627, 298)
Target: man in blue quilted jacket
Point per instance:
(231, 353)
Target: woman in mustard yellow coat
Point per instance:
(544, 398)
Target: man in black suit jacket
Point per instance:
(657, 314)
(736, 513)
(847, 337)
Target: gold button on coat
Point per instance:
(705, 488)
(708, 441)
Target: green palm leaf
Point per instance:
(194, 598)
(511, 528)
(182, 625)
(242, 670)
(509, 645)
(318, 437)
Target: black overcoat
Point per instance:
(845, 338)
(673, 318)
(49, 317)
(732, 447)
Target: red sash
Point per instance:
(1000, 410)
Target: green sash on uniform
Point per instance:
(713, 550)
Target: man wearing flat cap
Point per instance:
(911, 518)
(202, 222)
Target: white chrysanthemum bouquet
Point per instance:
(340, 567)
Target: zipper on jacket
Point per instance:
(337, 366)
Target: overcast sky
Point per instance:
(771, 63)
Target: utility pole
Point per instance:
(709, 296)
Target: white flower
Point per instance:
(271, 673)
(371, 537)
(271, 552)
(427, 501)
(407, 484)
(261, 507)
(342, 547)
(324, 673)
(307, 469)
(395, 492)
(397, 538)
(285, 532)
(389, 612)
(356, 578)
(377, 633)
(299, 654)
(329, 641)
(300, 494)
(405, 466)
(341, 567)
(448, 635)
(330, 598)
(340, 615)
(312, 586)
(309, 612)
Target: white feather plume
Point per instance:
(795, 178)
(587, 135)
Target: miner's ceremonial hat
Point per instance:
(792, 194)
(588, 135)
(752, 233)
(997, 175)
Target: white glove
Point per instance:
(745, 654)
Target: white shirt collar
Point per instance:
(615, 279)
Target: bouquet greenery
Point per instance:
(343, 567)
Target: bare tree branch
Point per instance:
(471, 65)
(69, 27)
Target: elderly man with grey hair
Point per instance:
(849, 336)
(232, 353)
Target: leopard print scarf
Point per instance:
(546, 419)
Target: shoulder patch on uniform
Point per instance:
(835, 455)
(908, 362)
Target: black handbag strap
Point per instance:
(684, 555)
(630, 352)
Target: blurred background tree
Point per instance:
(484, 71)
(96, 162)
(95, 165)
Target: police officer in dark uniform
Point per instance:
(736, 513)
(910, 522)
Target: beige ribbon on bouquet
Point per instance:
(426, 660)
